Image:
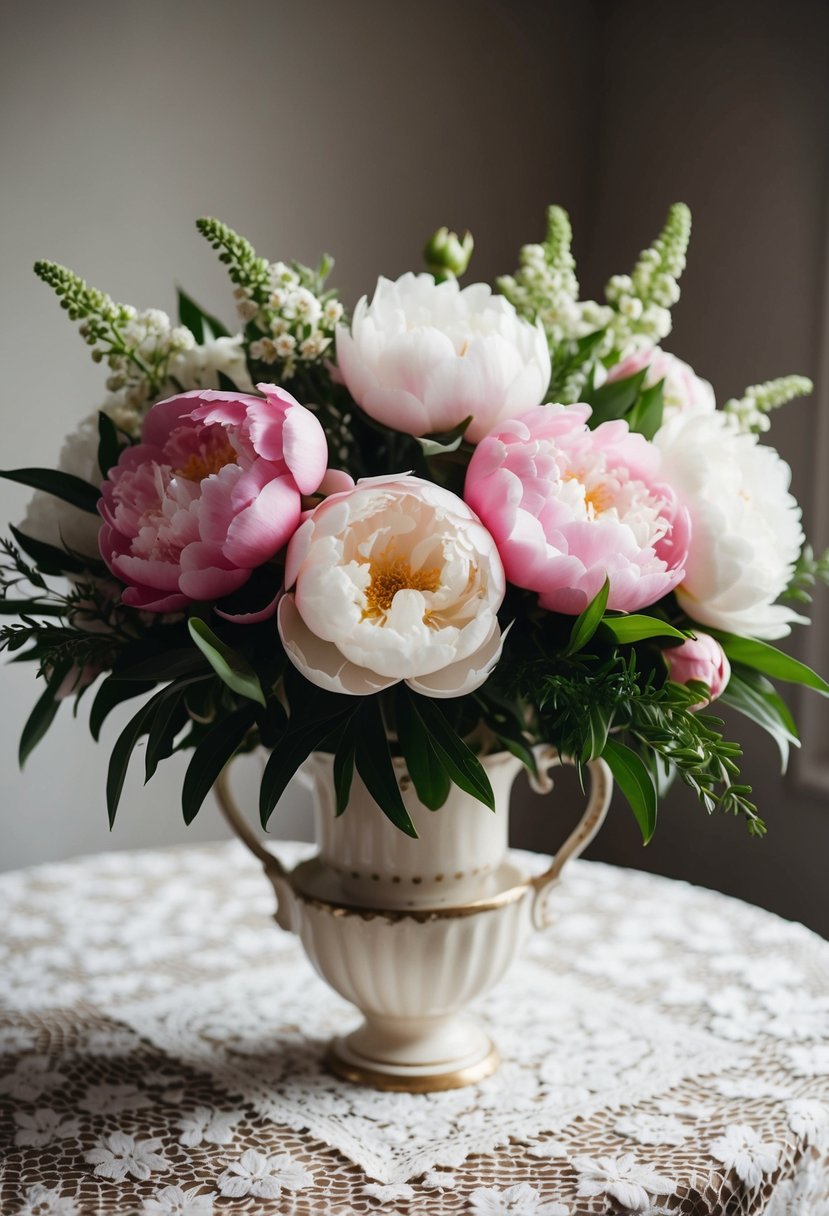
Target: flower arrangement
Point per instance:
(464, 520)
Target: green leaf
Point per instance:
(374, 764)
(587, 622)
(111, 693)
(122, 751)
(635, 782)
(636, 628)
(439, 445)
(228, 665)
(210, 757)
(43, 714)
(49, 559)
(615, 398)
(290, 751)
(344, 773)
(200, 323)
(63, 485)
(771, 661)
(109, 445)
(763, 706)
(599, 722)
(460, 761)
(430, 778)
(646, 415)
(166, 723)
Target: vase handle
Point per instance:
(230, 809)
(601, 789)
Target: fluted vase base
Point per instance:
(393, 1054)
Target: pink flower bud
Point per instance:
(700, 658)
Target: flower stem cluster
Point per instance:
(545, 287)
(642, 301)
(138, 347)
(290, 319)
(751, 411)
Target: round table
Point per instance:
(666, 1050)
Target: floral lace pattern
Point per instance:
(160, 1042)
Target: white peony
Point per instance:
(745, 525)
(199, 367)
(55, 522)
(422, 356)
(393, 580)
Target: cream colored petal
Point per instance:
(465, 676)
(321, 662)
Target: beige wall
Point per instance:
(358, 128)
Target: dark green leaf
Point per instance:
(439, 445)
(646, 415)
(766, 708)
(344, 773)
(29, 608)
(288, 754)
(430, 778)
(167, 722)
(599, 722)
(43, 714)
(200, 323)
(374, 764)
(122, 751)
(109, 445)
(210, 757)
(635, 628)
(615, 398)
(460, 761)
(771, 661)
(635, 782)
(111, 693)
(168, 665)
(228, 665)
(48, 558)
(587, 622)
(63, 485)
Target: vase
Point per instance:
(410, 931)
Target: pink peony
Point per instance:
(683, 391)
(569, 507)
(212, 491)
(700, 658)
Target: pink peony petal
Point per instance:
(305, 448)
(261, 530)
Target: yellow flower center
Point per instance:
(201, 464)
(390, 575)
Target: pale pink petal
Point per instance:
(261, 530)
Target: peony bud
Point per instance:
(700, 658)
(447, 255)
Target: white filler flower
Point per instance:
(423, 356)
(393, 580)
(745, 525)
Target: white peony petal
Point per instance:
(320, 661)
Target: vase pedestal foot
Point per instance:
(414, 1055)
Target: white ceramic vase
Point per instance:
(411, 930)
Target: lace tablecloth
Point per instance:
(666, 1048)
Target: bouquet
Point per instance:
(462, 520)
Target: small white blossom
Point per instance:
(314, 345)
(389, 1194)
(118, 1154)
(264, 1177)
(332, 312)
(30, 1078)
(651, 1129)
(174, 1201)
(810, 1061)
(809, 1119)
(42, 1127)
(520, 1200)
(740, 1149)
(108, 1099)
(47, 1201)
(621, 1178)
(438, 1180)
(549, 1149)
(284, 345)
(203, 1125)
